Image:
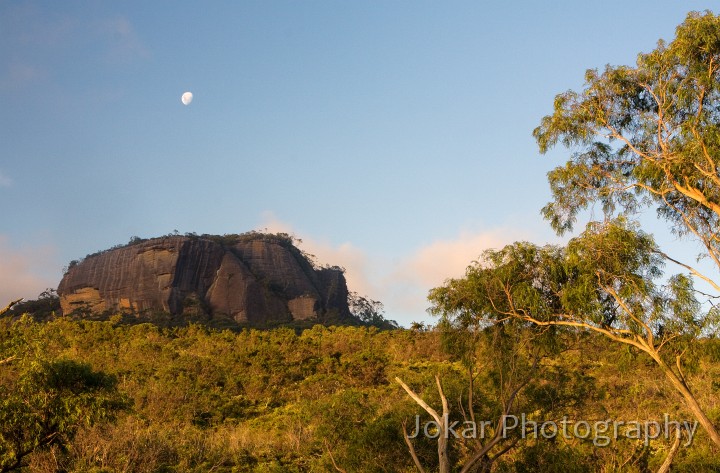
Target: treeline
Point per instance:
(283, 239)
(143, 398)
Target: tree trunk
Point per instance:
(441, 420)
(665, 467)
(442, 450)
(690, 400)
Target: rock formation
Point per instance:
(251, 278)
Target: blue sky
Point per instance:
(393, 138)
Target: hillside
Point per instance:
(194, 399)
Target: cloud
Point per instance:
(124, 44)
(43, 41)
(25, 24)
(434, 263)
(18, 74)
(4, 180)
(23, 271)
(346, 255)
(403, 286)
(431, 265)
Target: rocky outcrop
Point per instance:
(251, 278)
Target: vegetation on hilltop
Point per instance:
(283, 239)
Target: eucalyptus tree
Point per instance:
(608, 280)
(648, 136)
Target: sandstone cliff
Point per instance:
(251, 278)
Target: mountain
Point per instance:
(250, 278)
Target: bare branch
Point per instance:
(470, 464)
(665, 467)
(411, 448)
(327, 447)
(612, 334)
(689, 268)
(445, 406)
(442, 422)
(8, 359)
(420, 401)
(9, 307)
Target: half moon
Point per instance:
(186, 98)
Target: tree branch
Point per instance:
(411, 448)
(420, 401)
(665, 467)
(327, 447)
(9, 307)
(689, 268)
(8, 359)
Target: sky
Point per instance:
(394, 138)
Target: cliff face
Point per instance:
(252, 279)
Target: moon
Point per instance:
(186, 98)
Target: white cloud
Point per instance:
(434, 263)
(353, 259)
(431, 265)
(4, 180)
(270, 223)
(17, 75)
(59, 35)
(403, 287)
(124, 44)
(23, 271)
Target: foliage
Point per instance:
(643, 136)
(647, 136)
(369, 312)
(284, 400)
(46, 305)
(607, 279)
(283, 239)
(547, 331)
(45, 402)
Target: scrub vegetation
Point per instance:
(104, 396)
